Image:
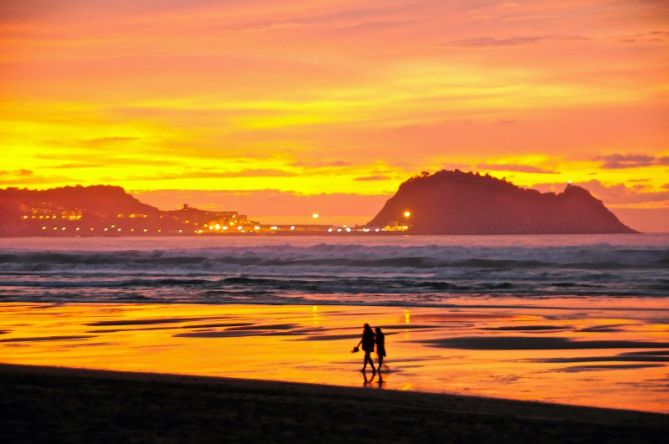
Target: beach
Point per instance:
(488, 339)
(613, 354)
(46, 404)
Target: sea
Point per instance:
(337, 269)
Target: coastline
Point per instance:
(69, 405)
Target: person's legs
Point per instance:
(380, 362)
(364, 365)
(371, 362)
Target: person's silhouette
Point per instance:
(367, 342)
(380, 347)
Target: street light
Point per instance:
(407, 214)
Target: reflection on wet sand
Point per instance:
(607, 355)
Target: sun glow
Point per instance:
(306, 113)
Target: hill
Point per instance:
(104, 210)
(95, 200)
(455, 202)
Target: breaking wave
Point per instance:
(422, 270)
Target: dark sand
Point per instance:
(46, 404)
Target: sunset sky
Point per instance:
(280, 108)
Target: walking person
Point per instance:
(367, 342)
(380, 347)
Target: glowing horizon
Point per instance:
(323, 98)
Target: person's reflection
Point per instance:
(367, 380)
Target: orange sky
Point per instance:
(262, 100)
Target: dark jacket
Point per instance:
(368, 341)
(380, 344)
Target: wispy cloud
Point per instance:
(24, 177)
(15, 173)
(514, 167)
(612, 194)
(321, 164)
(484, 42)
(372, 178)
(107, 141)
(620, 161)
(214, 174)
(658, 36)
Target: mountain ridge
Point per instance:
(457, 202)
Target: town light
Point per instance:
(407, 214)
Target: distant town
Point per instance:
(110, 211)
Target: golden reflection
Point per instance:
(312, 344)
(315, 315)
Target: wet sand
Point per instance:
(45, 404)
(612, 354)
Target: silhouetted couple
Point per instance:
(368, 341)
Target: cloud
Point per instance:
(484, 42)
(19, 173)
(646, 37)
(214, 174)
(611, 194)
(28, 10)
(24, 177)
(619, 161)
(513, 167)
(372, 178)
(103, 158)
(107, 141)
(324, 164)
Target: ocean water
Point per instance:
(369, 270)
